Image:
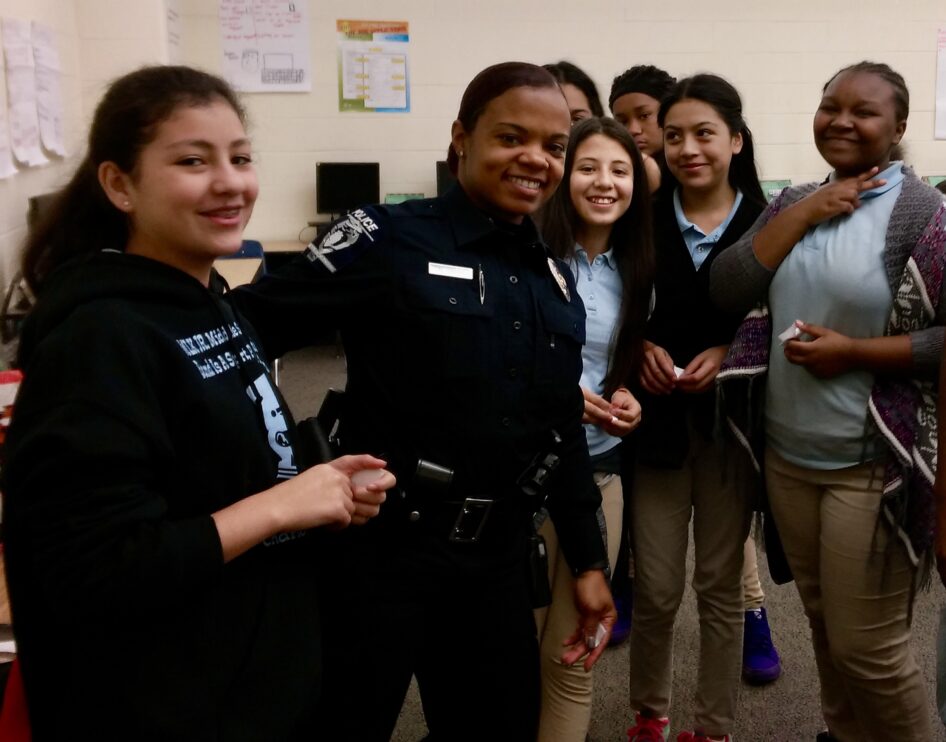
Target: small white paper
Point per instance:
(364, 477)
(790, 333)
(677, 371)
(450, 271)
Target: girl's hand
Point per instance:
(369, 483)
(657, 375)
(841, 196)
(700, 373)
(624, 413)
(828, 355)
(597, 410)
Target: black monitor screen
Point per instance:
(342, 186)
(444, 177)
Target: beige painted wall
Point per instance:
(777, 54)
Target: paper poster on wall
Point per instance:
(21, 92)
(372, 66)
(48, 95)
(266, 45)
(7, 166)
(939, 127)
(172, 14)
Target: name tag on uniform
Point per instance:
(450, 271)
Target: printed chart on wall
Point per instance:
(940, 124)
(266, 45)
(372, 66)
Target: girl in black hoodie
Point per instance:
(157, 537)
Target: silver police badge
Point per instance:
(559, 279)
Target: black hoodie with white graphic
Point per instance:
(146, 406)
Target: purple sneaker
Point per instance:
(622, 627)
(760, 660)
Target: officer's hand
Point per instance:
(595, 608)
(657, 374)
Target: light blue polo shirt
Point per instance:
(833, 277)
(599, 285)
(697, 241)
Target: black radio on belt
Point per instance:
(535, 477)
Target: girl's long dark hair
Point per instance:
(631, 241)
(81, 219)
(724, 99)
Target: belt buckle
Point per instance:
(470, 520)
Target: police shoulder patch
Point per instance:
(345, 240)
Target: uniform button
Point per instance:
(506, 422)
(513, 372)
(452, 300)
(414, 516)
(513, 279)
(517, 325)
(591, 296)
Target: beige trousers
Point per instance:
(710, 489)
(566, 691)
(752, 594)
(856, 595)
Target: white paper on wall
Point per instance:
(174, 29)
(266, 45)
(48, 94)
(21, 92)
(7, 166)
(939, 127)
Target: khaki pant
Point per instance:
(856, 594)
(752, 594)
(710, 489)
(566, 691)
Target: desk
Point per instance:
(283, 246)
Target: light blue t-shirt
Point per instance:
(833, 277)
(599, 285)
(697, 241)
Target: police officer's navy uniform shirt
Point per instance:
(463, 338)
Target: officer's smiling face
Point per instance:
(512, 160)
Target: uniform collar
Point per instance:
(470, 225)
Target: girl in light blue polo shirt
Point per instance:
(600, 223)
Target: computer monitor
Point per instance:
(444, 177)
(39, 207)
(343, 186)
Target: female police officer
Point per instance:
(463, 339)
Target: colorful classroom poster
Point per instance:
(372, 66)
(939, 127)
(266, 45)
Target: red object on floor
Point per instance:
(14, 721)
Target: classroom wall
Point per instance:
(778, 55)
(97, 40)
